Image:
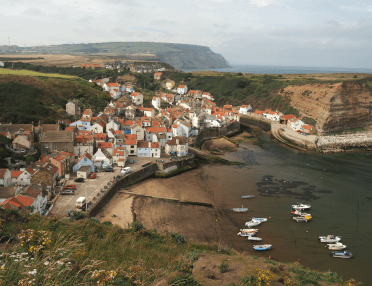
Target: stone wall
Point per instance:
(179, 163)
(337, 143)
(118, 184)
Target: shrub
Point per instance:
(107, 223)
(178, 238)
(94, 219)
(77, 216)
(224, 266)
(137, 226)
(185, 280)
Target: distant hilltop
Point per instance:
(180, 56)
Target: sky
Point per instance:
(314, 33)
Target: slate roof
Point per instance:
(57, 136)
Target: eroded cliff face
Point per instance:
(339, 106)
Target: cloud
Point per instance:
(162, 22)
(261, 3)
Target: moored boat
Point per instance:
(342, 254)
(301, 206)
(336, 246)
(298, 213)
(248, 230)
(303, 218)
(329, 238)
(252, 223)
(259, 219)
(262, 247)
(254, 238)
(247, 197)
(247, 233)
(240, 210)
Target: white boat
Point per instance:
(342, 254)
(301, 206)
(302, 218)
(248, 230)
(247, 197)
(259, 219)
(240, 210)
(298, 213)
(336, 246)
(254, 238)
(246, 233)
(252, 223)
(262, 247)
(329, 238)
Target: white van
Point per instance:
(81, 203)
(126, 170)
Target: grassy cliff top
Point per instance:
(46, 251)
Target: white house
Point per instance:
(156, 102)
(24, 179)
(102, 158)
(129, 88)
(212, 121)
(115, 94)
(244, 109)
(186, 129)
(182, 89)
(295, 124)
(149, 112)
(137, 98)
(113, 124)
(5, 178)
(98, 127)
(138, 130)
(207, 95)
(155, 150)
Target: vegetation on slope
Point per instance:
(26, 99)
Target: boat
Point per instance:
(301, 206)
(254, 238)
(247, 197)
(302, 218)
(246, 233)
(336, 246)
(252, 223)
(298, 213)
(329, 238)
(262, 247)
(259, 219)
(240, 210)
(249, 230)
(342, 254)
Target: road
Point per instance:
(92, 187)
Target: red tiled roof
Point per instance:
(307, 126)
(158, 73)
(104, 145)
(12, 202)
(169, 96)
(154, 144)
(26, 201)
(288, 116)
(15, 174)
(112, 84)
(155, 129)
(135, 93)
(259, 112)
(130, 139)
(181, 86)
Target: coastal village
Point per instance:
(114, 138)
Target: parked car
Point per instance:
(126, 170)
(108, 169)
(67, 192)
(93, 176)
(131, 161)
(70, 187)
(79, 180)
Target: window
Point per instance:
(66, 145)
(46, 145)
(132, 146)
(132, 151)
(55, 146)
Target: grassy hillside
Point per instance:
(43, 251)
(24, 99)
(32, 73)
(260, 91)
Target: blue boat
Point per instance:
(247, 197)
(342, 254)
(262, 247)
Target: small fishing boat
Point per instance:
(246, 233)
(301, 206)
(249, 230)
(240, 210)
(259, 219)
(329, 238)
(342, 254)
(302, 218)
(298, 213)
(262, 247)
(336, 246)
(254, 238)
(247, 197)
(252, 223)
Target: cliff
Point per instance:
(180, 56)
(339, 106)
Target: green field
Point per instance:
(32, 73)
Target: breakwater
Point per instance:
(340, 143)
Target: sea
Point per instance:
(261, 69)
(338, 187)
